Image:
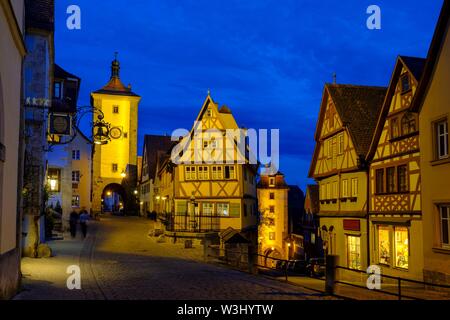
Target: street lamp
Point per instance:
(123, 174)
(135, 192)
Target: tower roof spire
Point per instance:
(115, 85)
(115, 67)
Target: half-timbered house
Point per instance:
(207, 183)
(395, 203)
(346, 123)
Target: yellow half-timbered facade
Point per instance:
(395, 184)
(207, 182)
(345, 126)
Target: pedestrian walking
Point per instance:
(73, 221)
(84, 218)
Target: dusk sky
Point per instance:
(266, 60)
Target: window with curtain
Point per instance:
(379, 173)
(390, 180)
(402, 173)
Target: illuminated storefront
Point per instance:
(354, 252)
(393, 246)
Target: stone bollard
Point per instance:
(206, 249)
(330, 273)
(252, 260)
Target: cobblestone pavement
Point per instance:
(119, 261)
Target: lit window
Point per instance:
(354, 252)
(115, 109)
(222, 209)
(384, 245)
(444, 214)
(203, 173)
(75, 176)
(190, 173)
(401, 247)
(442, 139)
(208, 208)
(75, 201)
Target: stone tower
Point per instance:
(114, 164)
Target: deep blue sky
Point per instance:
(267, 60)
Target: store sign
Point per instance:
(352, 225)
(60, 124)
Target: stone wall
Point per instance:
(9, 274)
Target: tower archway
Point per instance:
(114, 199)
(269, 255)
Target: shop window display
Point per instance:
(354, 252)
(384, 245)
(401, 247)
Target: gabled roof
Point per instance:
(415, 66)
(231, 236)
(434, 52)
(358, 108)
(153, 146)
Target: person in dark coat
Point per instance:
(84, 218)
(73, 221)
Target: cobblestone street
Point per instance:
(119, 261)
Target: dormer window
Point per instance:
(406, 83)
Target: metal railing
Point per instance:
(175, 222)
(398, 281)
(400, 284)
